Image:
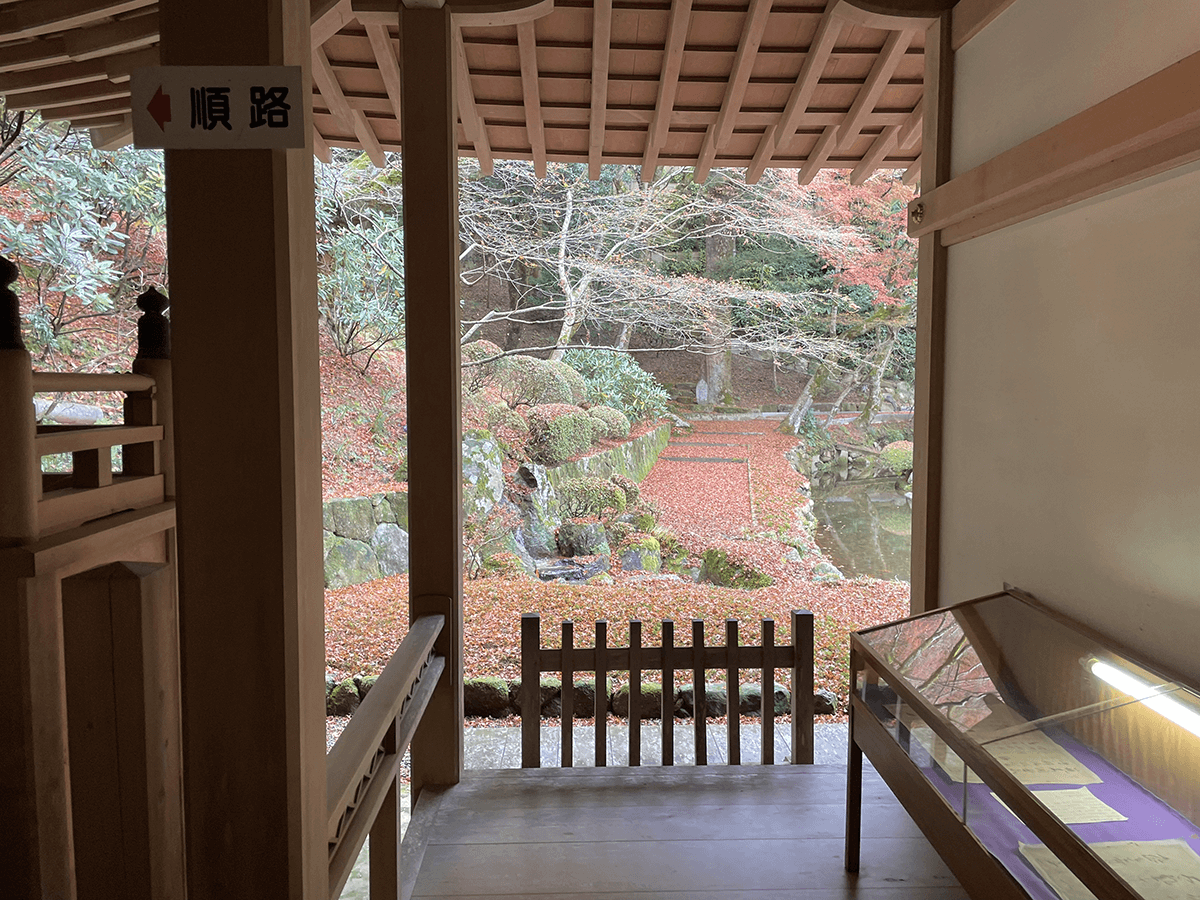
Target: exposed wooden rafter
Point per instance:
(668, 82)
(352, 119)
(601, 37)
(910, 131)
(874, 157)
(473, 123)
(111, 137)
(806, 83)
(735, 89)
(913, 172)
(527, 44)
(384, 50)
(328, 18)
(971, 16)
(885, 65)
(33, 18)
(820, 153)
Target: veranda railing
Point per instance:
(668, 659)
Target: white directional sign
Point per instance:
(218, 107)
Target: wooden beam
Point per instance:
(601, 36)
(113, 136)
(92, 92)
(864, 104)
(32, 18)
(913, 172)
(475, 16)
(384, 49)
(971, 16)
(887, 16)
(527, 48)
(708, 153)
(910, 131)
(328, 17)
(63, 75)
(762, 156)
(355, 119)
(320, 148)
(427, 44)
(1156, 109)
(743, 64)
(931, 330)
(1161, 157)
(873, 157)
(473, 123)
(668, 82)
(820, 152)
(83, 111)
(116, 37)
(806, 83)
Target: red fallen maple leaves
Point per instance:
(365, 623)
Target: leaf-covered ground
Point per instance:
(706, 504)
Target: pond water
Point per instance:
(864, 527)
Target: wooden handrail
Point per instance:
(362, 767)
(65, 382)
(668, 658)
(72, 438)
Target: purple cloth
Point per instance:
(1149, 819)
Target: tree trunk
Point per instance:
(717, 368)
(876, 378)
(512, 337)
(803, 404)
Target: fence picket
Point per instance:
(733, 718)
(699, 695)
(530, 696)
(635, 693)
(602, 693)
(566, 702)
(668, 693)
(768, 692)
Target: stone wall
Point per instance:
(365, 538)
(633, 460)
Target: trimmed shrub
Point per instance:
(722, 571)
(629, 486)
(500, 416)
(558, 431)
(616, 423)
(898, 457)
(579, 388)
(616, 380)
(528, 381)
(590, 496)
(475, 377)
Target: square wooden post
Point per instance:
(246, 384)
(430, 169)
(931, 327)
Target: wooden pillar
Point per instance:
(931, 327)
(430, 162)
(19, 466)
(122, 686)
(241, 241)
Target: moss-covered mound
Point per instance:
(720, 570)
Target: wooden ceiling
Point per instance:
(702, 83)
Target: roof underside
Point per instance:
(744, 83)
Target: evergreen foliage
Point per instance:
(616, 380)
(557, 432)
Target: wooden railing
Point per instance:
(362, 769)
(668, 659)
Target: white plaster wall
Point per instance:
(1072, 441)
(1043, 61)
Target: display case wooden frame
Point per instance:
(981, 873)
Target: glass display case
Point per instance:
(1039, 758)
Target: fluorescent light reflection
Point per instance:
(1153, 697)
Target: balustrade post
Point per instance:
(20, 468)
(154, 407)
(802, 687)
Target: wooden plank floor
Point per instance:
(761, 833)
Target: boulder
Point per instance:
(343, 700)
(398, 501)
(824, 703)
(649, 706)
(382, 509)
(348, 562)
(582, 539)
(351, 518)
(583, 700)
(714, 698)
(482, 473)
(825, 571)
(390, 543)
(538, 507)
(487, 697)
(641, 553)
(750, 700)
(364, 686)
(550, 688)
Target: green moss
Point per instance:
(616, 423)
(557, 432)
(643, 542)
(720, 570)
(643, 521)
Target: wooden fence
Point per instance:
(668, 659)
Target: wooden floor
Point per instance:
(760, 833)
